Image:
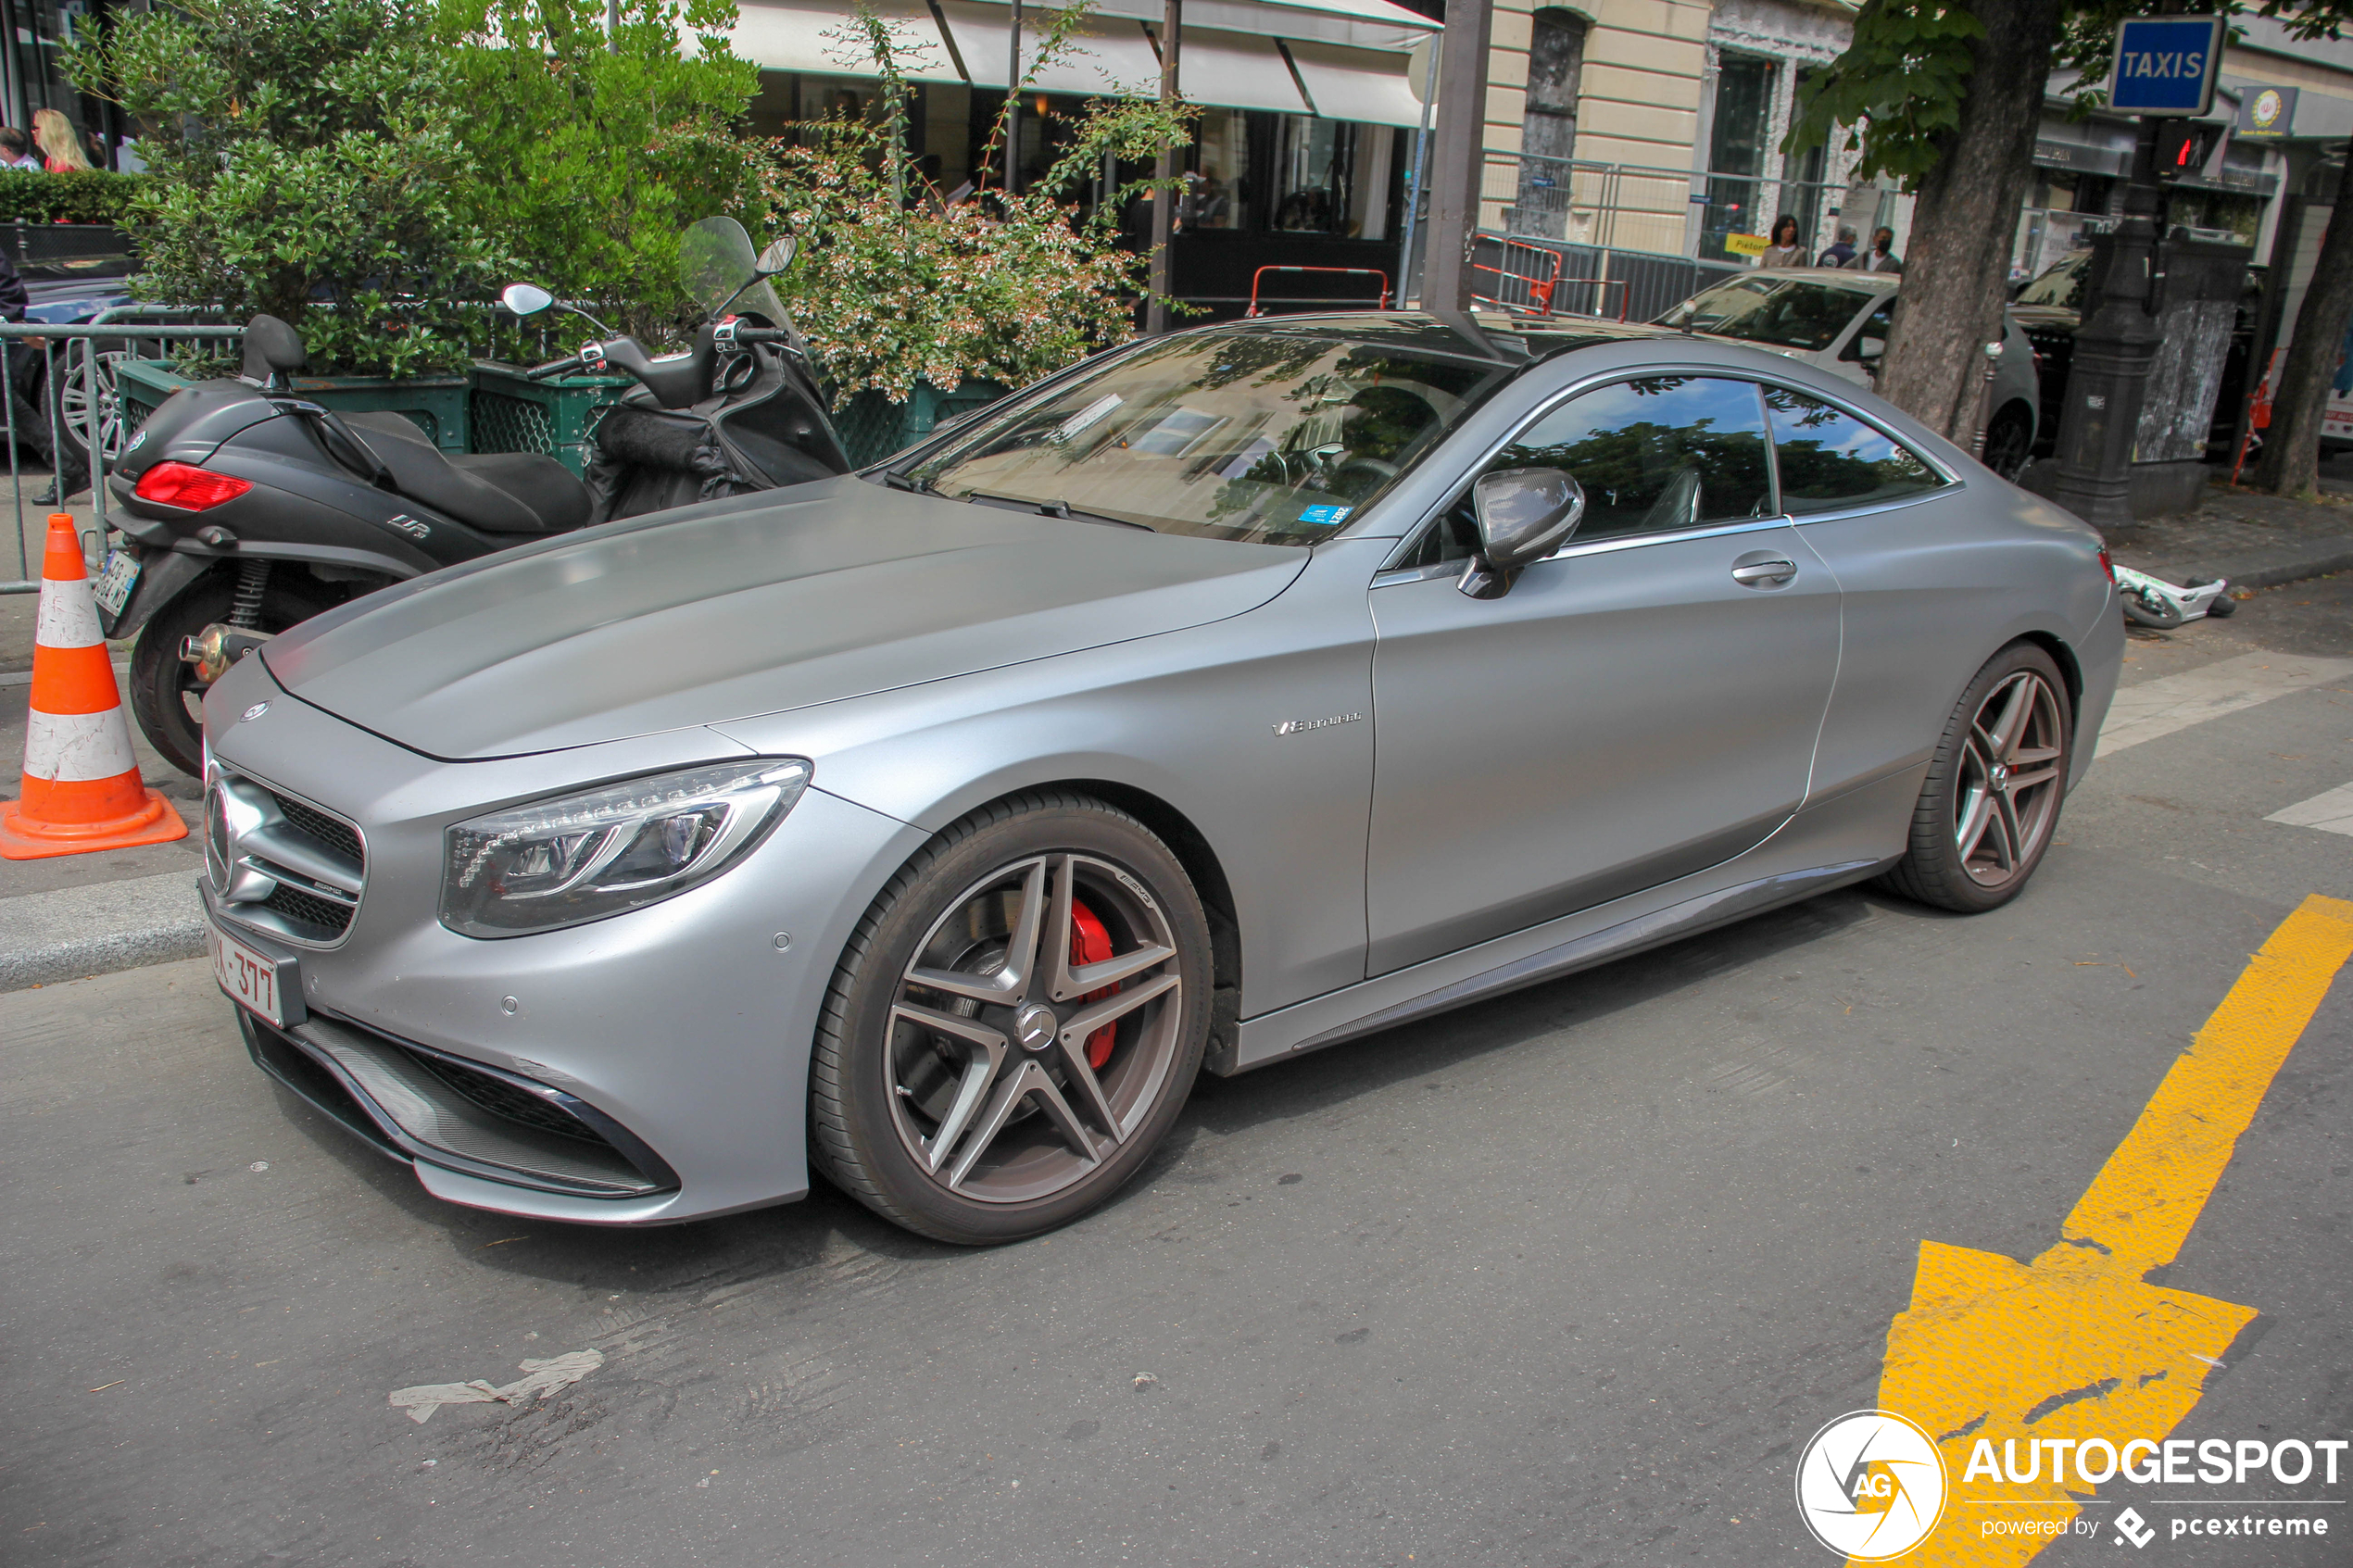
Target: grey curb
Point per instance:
(45, 937)
(2266, 569)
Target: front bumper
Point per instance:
(676, 1036)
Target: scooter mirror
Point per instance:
(526, 299)
(778, 257)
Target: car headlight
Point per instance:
(604, 851)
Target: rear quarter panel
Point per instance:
(1932, 590)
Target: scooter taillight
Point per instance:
(191, 489)
(2107, 564)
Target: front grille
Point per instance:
(281, 864)
(308, 910)
(332, 832)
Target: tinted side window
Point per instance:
(1831, 460)
(1653, 455)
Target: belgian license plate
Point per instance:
(117, 581)
(250, 978)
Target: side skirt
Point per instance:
(1864, 829)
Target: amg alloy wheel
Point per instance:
(1993, 793)
(1017, 1024)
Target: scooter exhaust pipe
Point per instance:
(218, 647)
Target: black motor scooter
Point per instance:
(248, 508)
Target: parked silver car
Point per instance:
(1837, 319)
(1233, 695)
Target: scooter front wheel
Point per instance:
(167, 698)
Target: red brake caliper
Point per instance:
(1090, 943)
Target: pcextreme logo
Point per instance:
(1870, 1486)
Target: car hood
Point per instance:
(813, 594)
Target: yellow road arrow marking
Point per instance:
(2075, 1345)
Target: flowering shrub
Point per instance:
(893, 285)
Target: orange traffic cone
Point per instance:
(82, 788)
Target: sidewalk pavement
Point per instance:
(89, 915)
(2255, 540)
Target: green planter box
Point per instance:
(508, 412)
(435, 403)
(873, 427)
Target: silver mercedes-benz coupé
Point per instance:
(1229, 696)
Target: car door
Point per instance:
(1640, 706)
(1931, 579)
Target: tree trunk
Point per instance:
(1957, 264)
(2291, 464)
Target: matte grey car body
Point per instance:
(1393, 797)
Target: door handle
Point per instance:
(1756, 572)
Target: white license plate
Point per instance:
(250, 978)
(117, 581)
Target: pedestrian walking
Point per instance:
(27, 390)
(15, 149)
(60, 147)
(1840, 254)
(1786, 250)
(1882, 257)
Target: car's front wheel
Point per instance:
(1991, 800)
(1015, 1022)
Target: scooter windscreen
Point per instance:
(720, 271)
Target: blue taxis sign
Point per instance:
(2165, 66)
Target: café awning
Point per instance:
(1348, 55)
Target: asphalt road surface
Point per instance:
(1570, 1277)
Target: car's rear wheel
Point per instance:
(1014, 1024)
(1992, 797)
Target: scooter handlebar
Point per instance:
(553, 368)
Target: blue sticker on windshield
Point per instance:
(1326, 514)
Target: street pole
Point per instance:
(1172, 40)
(1013, 108)
(1421, 161)
(1458, 160)
(2108, 377)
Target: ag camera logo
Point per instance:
(1871, 1486)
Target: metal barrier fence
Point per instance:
(1675, 212)
(78, 388)
(1618, 285)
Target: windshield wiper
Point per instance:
(1061, 509)
(894, 480)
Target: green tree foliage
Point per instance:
(304, 164)
(594, 150)
(1897, 89)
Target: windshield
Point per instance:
(715, 262)
(1268, 437)
(1784, 312)
(2061, 285)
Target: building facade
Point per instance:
(1303, 151)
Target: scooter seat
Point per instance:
(497, 492)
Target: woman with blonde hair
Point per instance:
(61, 148)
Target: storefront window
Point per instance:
(37, 33)
(1217, 200)
(1736, 153)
